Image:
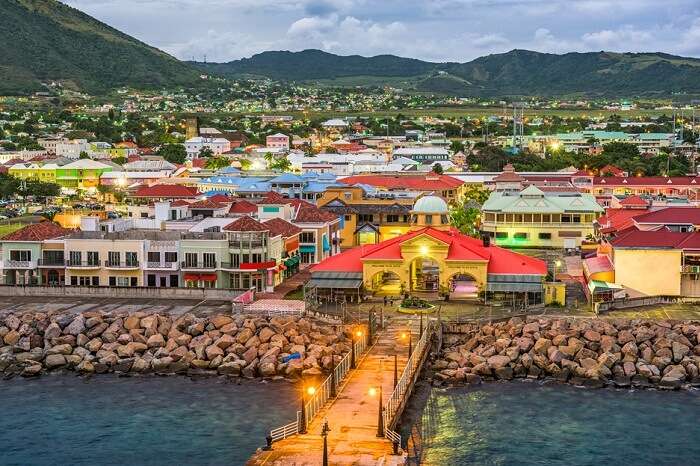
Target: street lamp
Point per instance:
(557, 264)
(408, 335)
(302, 419)
(380, 410)
(324, 433)
(352, 348)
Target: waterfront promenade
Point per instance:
(353, 415)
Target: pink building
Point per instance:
(278, 141)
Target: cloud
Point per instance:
(626, 36)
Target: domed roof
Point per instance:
(430, 205)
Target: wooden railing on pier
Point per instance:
(404, 386)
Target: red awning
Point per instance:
(257, 265)
(195, 277)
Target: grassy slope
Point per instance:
(46, 40)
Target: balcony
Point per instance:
(51, 263)
(690, 269)
(19, 265)
(82, 265)
(161, 265)
(186, 265)
(122, 265)
(245, 245)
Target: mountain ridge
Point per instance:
(517, 72)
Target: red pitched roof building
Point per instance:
(165, 192)
(446, 186)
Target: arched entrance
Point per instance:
(52, 277)
(425, 275)
(463, 286)
(386, 284)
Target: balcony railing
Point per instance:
(162, 265)
(198, 265)
(246, 244)
(13, 264)
(121, 265)
(52, 263)
(83, 265)
(690, 269)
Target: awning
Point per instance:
(514, 287)
(326, 244)
(599, 286)
(257, 265)
(292, 261)
(334, 283)
(307, 248)
(195, 277)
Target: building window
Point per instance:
(428, 219)
(154, 257)
(93, 258)
(95, 281)
(307, 237)
(209, 259)
(520, 235)
(20, 255)
(545, 236)
(174, 281)
(365, 218)
(170, 257)
(348, 217)
(392, 218)
(501, 235)
(190, 259)
(113, 257)
(132, 259)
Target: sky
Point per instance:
(434, 30)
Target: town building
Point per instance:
(277, 141)
(217, 145)
(535, 218)
(431, 259)
(445, 186)
(423, 154)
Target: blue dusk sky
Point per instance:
(435, 30)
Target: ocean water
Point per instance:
(107, 420)
(552, 424)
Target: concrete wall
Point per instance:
(120, 292)
(650, 271)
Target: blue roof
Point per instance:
(228, 171)
(287, 178)
(317, 186)
(242, 183)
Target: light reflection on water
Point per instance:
(533, 424)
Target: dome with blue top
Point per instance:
(431, 205)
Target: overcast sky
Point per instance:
(436, 30)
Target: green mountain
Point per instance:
(515, 73)
(45, 40)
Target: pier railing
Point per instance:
(318, 400)
(404, 386)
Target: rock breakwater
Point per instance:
(589, 352)
(96, 342)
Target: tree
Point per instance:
(465, 218)
(217, 163)
(119, 160)
(173, 153)
(457, 146)
(83, 155)
(245, 164)
(282, 164)
(476, 193)
(437, 169)
(206, 152)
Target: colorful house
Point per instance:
(81, 174)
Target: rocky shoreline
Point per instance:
(138, 343)
(586, 352)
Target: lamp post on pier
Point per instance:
(302, 418)
(324, 433)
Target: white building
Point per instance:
(218, 146)
(72, 149)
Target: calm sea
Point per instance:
(551, 424)
(106, 420)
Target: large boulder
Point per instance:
(53, 361)
(76, 327)
(679, 351)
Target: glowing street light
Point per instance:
(380, 418)
(311, 390)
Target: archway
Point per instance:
(425, 275)
(463, 286)
(386, 283)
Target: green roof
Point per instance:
(532, 200)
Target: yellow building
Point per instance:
(91, 259)
(432, 257)
(367, 219)
(25, 171)
(534, 218)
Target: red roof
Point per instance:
(461, 248)
(633, 201)
(668, 181)
(281, 227)
(616, 220)
(243, 207)
(309, 213)
(670, 216)
(179, 203)
(223, 198)
(37, 232)
(598, 264)
(246, 224)
(199, 162)
(206, 204)
(427, 182)
(613, 170)
(508, 175)
(634, 238)
(173, 191)
(272, 197)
